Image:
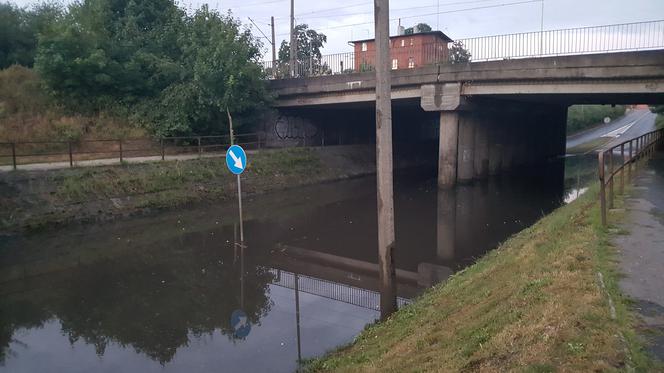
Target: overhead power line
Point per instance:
(429, 14)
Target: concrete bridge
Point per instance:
(498, 114)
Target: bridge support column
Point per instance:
(466, 155)
(481, 146)
(447, 149)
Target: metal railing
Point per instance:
(582, 40)
(332, 290)
(30, 152)
(627, 155)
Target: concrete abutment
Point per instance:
(494, 137)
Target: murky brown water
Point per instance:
(162, 293)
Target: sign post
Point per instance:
(236, 161)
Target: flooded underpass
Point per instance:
(175, 292)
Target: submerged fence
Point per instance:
(573, 41)
(623, 160)
(30, 152)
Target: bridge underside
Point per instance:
(492, 116)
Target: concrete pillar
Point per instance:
(495, 148)
(446, 224)
(447, 148)
(481, 156)
(465, 160)
(507, 133)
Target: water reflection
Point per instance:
(161, 293)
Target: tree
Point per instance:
(421, 27)
(458, 53)
(20, 29)
(309, 43)
(174, 73)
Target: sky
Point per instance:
(346, 20)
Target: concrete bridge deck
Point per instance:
(625, 77)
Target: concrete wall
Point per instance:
(498, 137)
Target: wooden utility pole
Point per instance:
(384, 160)
(293, 41)
(274, 48)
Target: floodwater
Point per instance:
(175, 292)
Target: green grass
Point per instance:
(533, 305)
(659, 122)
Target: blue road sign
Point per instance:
(240, 323)
(236, 159)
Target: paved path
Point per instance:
(642, 252)
(107, 161)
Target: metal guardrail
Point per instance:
(638, 149)
(574, 41)
(332, 290)
(72, 151)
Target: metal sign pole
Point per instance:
(239, 206)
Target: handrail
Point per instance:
(639, 149)
(121, 147)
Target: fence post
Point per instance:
(14, 155)
(602, 190)
(611, 179)
(71, 157)
(629, 168)
(198, 139)
(163, 153)
(120, 142)
(622, 169)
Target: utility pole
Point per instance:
(384, 160)
(293, 47)
(274, 49)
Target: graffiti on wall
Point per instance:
(290, 128)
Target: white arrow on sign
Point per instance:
(237, 160)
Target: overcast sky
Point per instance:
(345, 20)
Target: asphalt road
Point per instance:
(633, 124)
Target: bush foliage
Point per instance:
(580, 117)
(171, 72)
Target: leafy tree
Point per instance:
(421, 27)
(19, 31)
(171, 72)
(458, 53)
(309, 43)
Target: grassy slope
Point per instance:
(534, 304)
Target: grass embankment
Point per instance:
(535, 304)
(33, 199)
(28, 113)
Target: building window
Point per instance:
(395, 64)
(411, 62)
(403, 43)
(411, 41)
(364, 47)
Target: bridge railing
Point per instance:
(623, 160)
(332, 290)
(573, 41)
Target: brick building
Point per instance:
(406, 51)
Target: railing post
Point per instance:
(611, 178)
(631, 160)
(602, 188)
(120, 142)
(14, 155)
(200, 151)
(163, 151)
(622, 169)
(71, 157)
